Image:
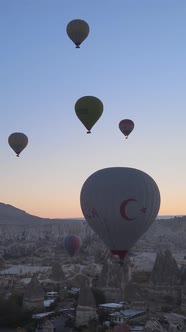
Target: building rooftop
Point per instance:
(111, 305)
(128, 313)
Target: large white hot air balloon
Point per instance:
(119, 204)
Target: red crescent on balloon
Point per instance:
(123, 208)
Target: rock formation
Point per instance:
(57, 273)
(113, 274)
(165, 269)
(113, 278)
(79, 280)
(152, 325)
(33, 298)
(2, 263)
(86, 308)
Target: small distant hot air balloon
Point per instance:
(72, 244)
(120, 204)
(77, 30)
(126, 126)
(18, 141)
(88, 109)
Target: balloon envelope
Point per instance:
(72, 244)
(88, 109)
(18, 141)
(77, 30)
(119, 204)
(126, 126)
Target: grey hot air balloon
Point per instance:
(119, 204)
(77, 30)
(18, 141)
(88, 109)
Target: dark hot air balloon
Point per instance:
(18, 141)
(77, 30)
(126, 126)
(120, 204)
(88, 109)
(72, 244)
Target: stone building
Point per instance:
(33, 298)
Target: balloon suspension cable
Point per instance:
(88, 132)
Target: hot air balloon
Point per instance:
(18, 141)
(72, 244)
(126, 126)
(77, 30)
(88, 109)
(119, 204)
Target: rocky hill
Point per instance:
(166, 234)
(24, 236)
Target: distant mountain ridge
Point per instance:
(8, 211)
(170, 216)
(9, 214)
(22, 234)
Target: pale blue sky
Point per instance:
(134, 60)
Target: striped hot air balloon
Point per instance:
(72, 244)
